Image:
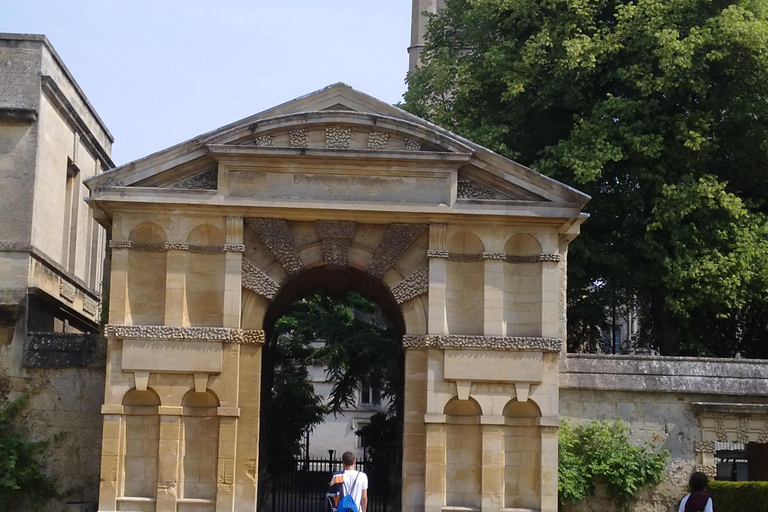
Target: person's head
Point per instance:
(698, 482)
(348, 459)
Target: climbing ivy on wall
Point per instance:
(23, 483)
(600, 452)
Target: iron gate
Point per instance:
(302, 487)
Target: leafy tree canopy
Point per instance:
(656, 108)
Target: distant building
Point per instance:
(51, 254)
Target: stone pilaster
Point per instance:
(435, 468)
(548, 478)
(168, 458)
(438, 279)
(109, 487)
(493, 464)
(493, 316)
(247, 445)
(233, 269)
(176, 288)
(225, 495)
(119, 312)
(550, 299)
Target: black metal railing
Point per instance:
(302, 488)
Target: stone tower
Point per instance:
(418, 28)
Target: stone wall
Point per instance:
(654, 396)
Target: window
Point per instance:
(370, 395)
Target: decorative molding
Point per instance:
(337, 237)
(255, 280)
(467, 189)
(498, 256)
(411, 145)
(90, 306)
(437, 253)
(170, 333)
(393, 245)
(299, 138)
(762, 437)
(208, 180)
(264, 141)
(337, 137)
(708, 469)
(720, 432)
(14, 247)
(742, 431)
(455, 341)
(704, 447)
(412, 286)
(67, 290)
(176, 246)
(377, 140)
(277, 237)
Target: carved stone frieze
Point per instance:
(336, 237)
(395, 242)
(277, 237)
(708, 469)
(411, 145)
(742, 431)
(704, 446)
(453, 341)
(412, 286)
(14, 247)
(467, 189)
(176, 246)
(299, 138)
(762, 437)
(255, 280)
(337, 137)
(119, 244)
(437, 253)
(207, 180)
(67, 290)
(165, 332)
(377, 140)
(264, 141)
(720, 432)
(499, 256)
(90, 306)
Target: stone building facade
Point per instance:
(51, 255)
(464, 250)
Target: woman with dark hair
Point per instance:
(698, 500)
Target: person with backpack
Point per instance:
(349, 488)
(698, 500)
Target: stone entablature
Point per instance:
(176, 246)
(498, 256)
(165, 332)
(458, 342)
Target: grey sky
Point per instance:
(160, 72)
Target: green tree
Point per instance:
(656, 108)
(24, 485)
(355, 342)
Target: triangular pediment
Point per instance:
(338, 130)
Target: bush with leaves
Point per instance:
(600, 452)
(23, 483)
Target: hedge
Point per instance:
(739, 496)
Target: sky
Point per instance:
(161, 72)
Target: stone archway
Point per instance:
(207, 235)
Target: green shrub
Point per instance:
(23, 484)
(739, 496)
(600, 452)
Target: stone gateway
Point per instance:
(209, 236)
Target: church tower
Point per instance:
(418, 28)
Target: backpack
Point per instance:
(347, 503)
